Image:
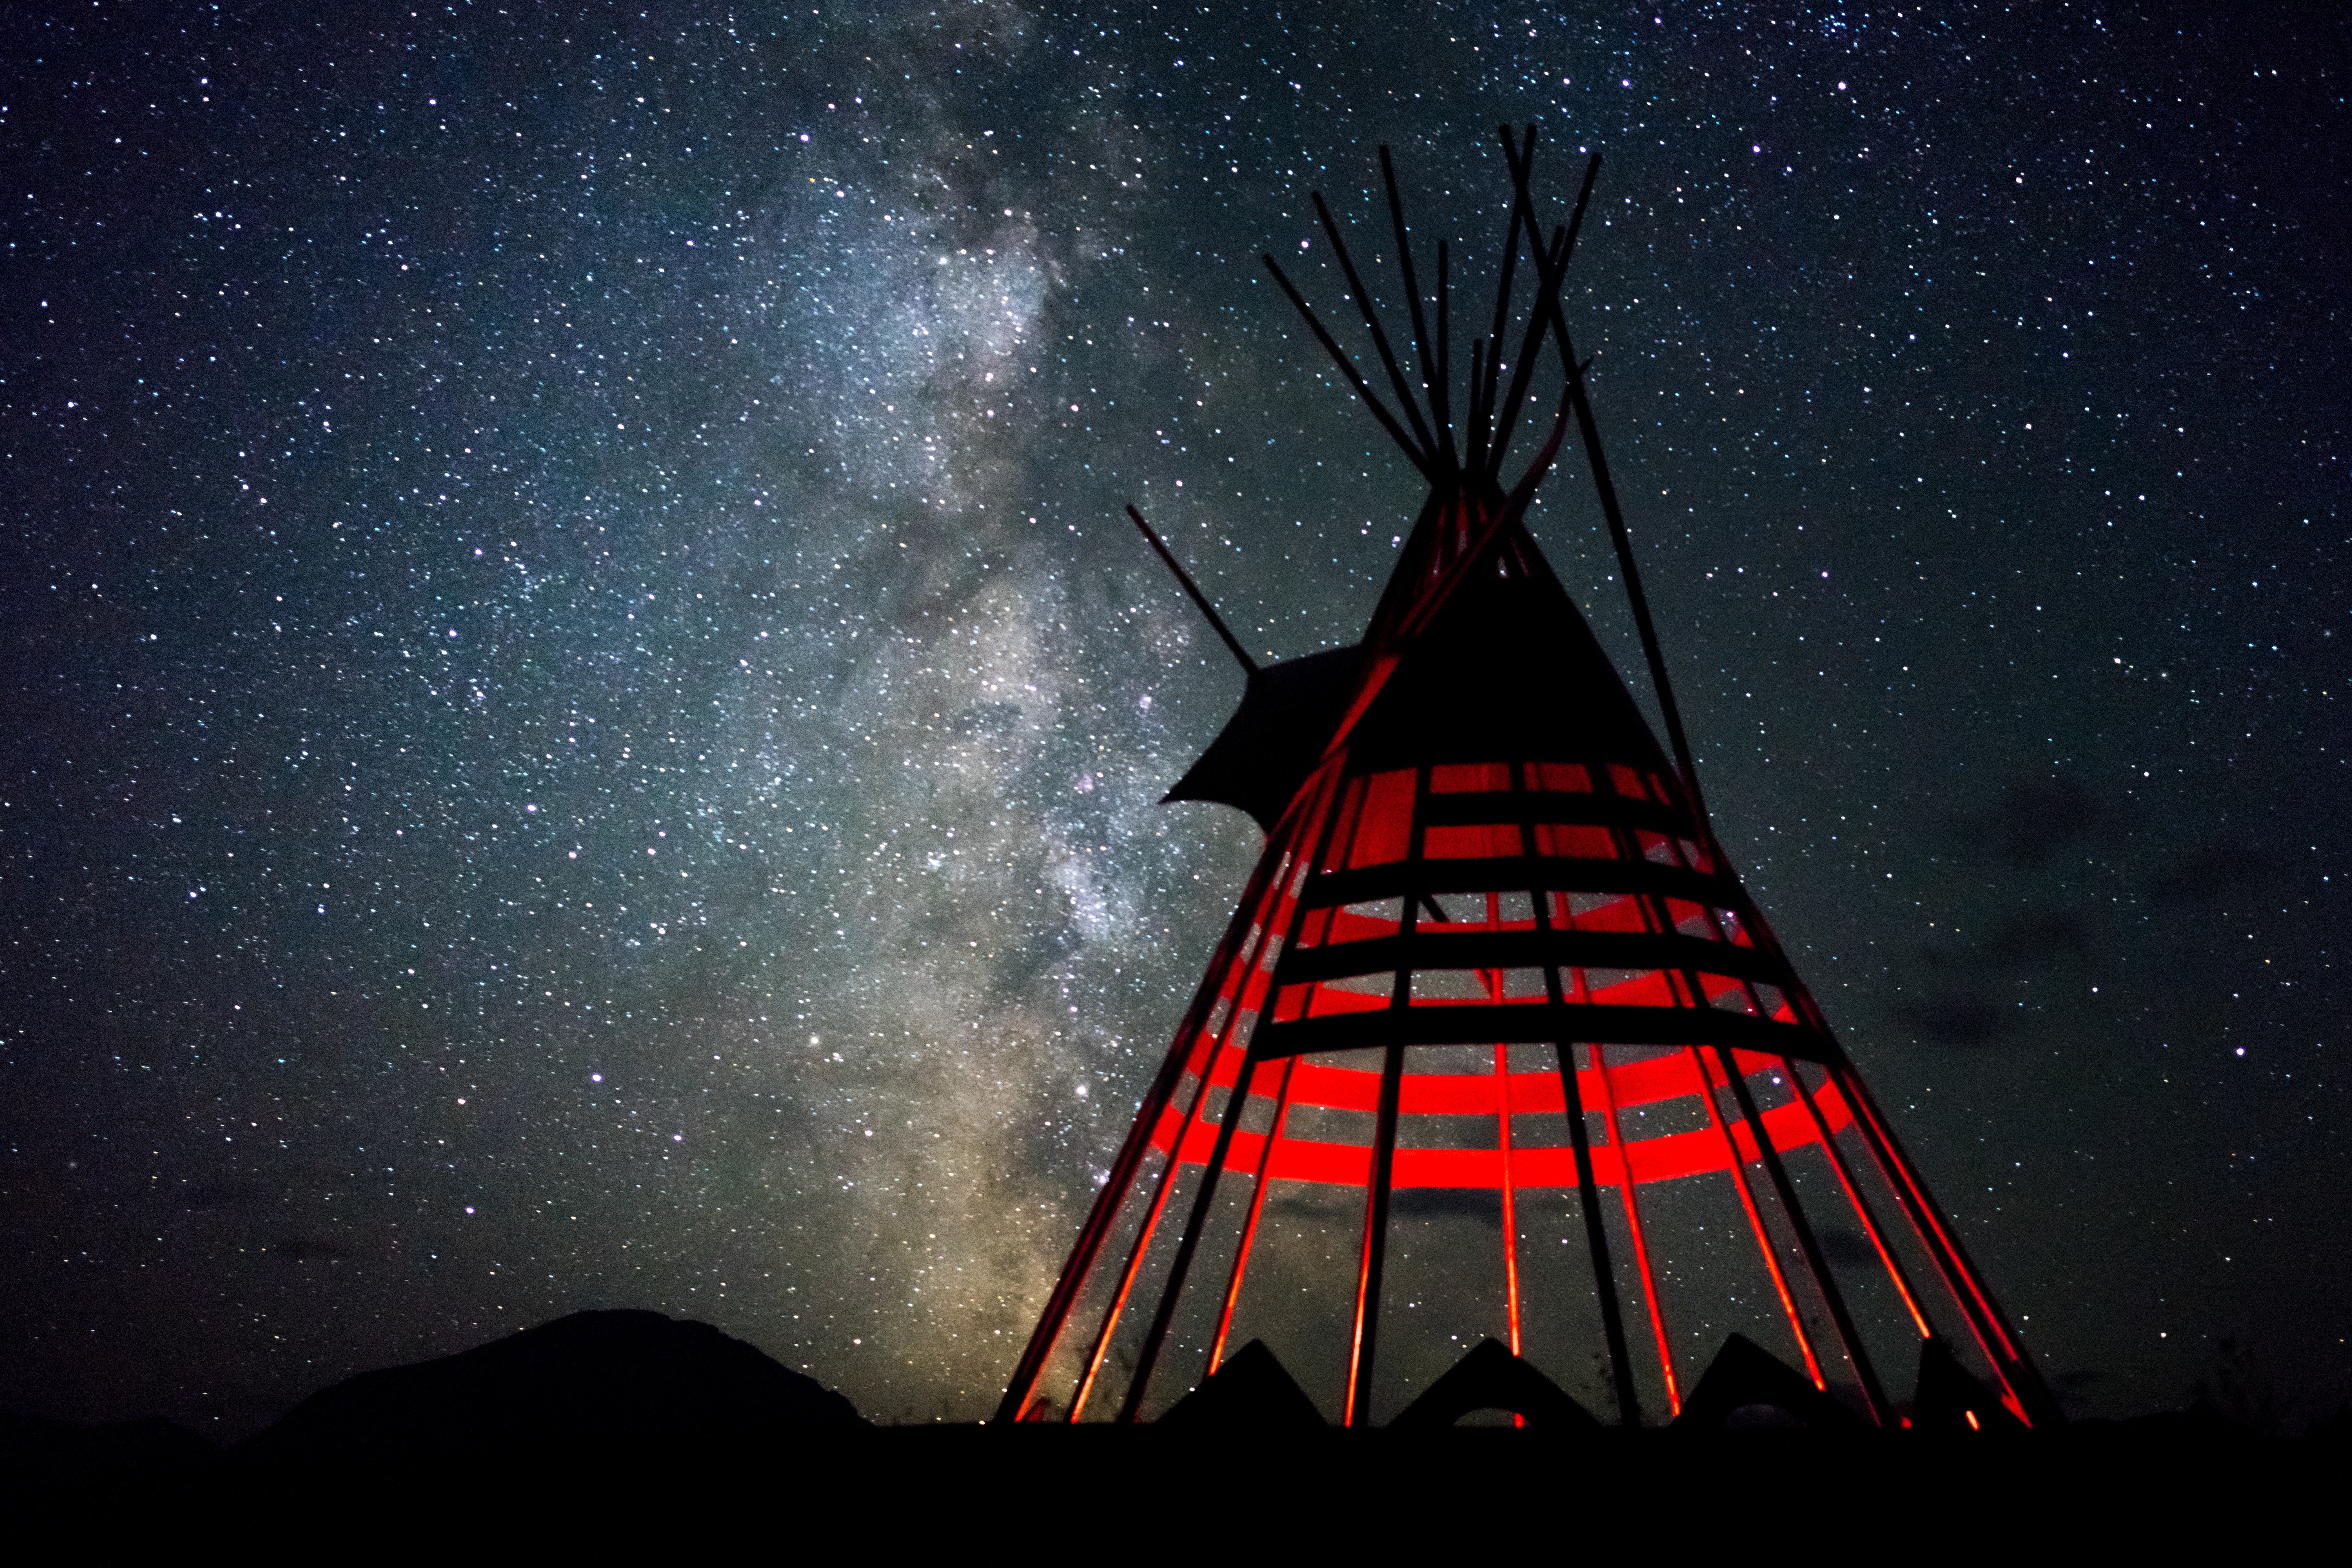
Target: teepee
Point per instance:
(1497, 1046)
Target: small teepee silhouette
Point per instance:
(1497, 1045)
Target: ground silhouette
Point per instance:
(605, 1426)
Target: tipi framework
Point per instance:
(1496, 1044)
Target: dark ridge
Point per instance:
(618, 1380)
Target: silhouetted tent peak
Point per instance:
(1275, 738)
(1506, 667)
(1251, 1392)
(624, 1379)
(1950, 1400)
(1491, 1378)
(1748, 1386)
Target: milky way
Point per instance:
(585, 725)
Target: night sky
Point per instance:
(582, 725)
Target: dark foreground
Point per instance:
(1030, 1490)
(628, 1426)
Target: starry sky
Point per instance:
(582, 725)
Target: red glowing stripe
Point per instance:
(1473, 1094)
(1661, 1159)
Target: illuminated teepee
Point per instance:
(1497, 1045)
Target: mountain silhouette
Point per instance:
(633, 1380)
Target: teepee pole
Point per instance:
(1547, 272)
(1596, 1237)
(1372, 1259)
(1216, 622)
(1180, 1267)
(1256, 1209)
(1441, 443)
(1279, 930)
(1588, 1197)
(1411, 403)
(1617, 534)
(1441, 391)
(1247, 955)
(1863, 1212)
(1421, 459)
(2033, 1401)
(1809, 1245)
(1552, 269)
(1161, 1191)
(1626, 1190)
(1620, 537)
(1521, 222)
(1131, 1153)
(1756, 1219)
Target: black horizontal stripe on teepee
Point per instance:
(1538, 1023)
(1517, 873)
(1435, 947)
(1599, 810)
